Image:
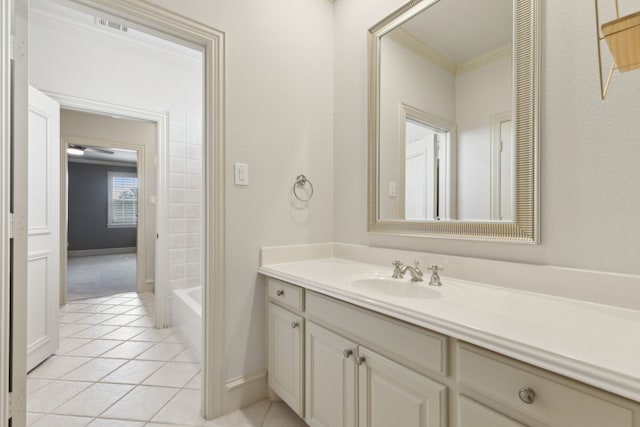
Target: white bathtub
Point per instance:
(186, 317)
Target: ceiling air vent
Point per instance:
(112, 25)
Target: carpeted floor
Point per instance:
(102, 275)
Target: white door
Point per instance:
(506, 171)
(392, 395)
(43, 280)
(286, 369)
(330, 380)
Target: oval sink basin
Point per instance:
(396, 288)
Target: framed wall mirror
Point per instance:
(453, 120)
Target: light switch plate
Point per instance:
(241, 173)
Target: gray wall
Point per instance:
(88, 207)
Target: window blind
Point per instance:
(123, 203)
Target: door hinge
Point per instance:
(10, 225)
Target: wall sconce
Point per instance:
(623, 38)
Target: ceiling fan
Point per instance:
(78, 150)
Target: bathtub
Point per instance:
(186, 317)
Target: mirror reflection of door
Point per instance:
(502, 167)
(421, 178)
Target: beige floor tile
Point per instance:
(121, 320)
(162, 351)
(280, 415)
(141, 404)
(57, 366)
(53, 395)
(72, 328)
(187, 356)
(93, 400)
(117, 300)
(72, 317)
(34, 384)
(183, 409)
(251, 416)
(74, 307)
(142, 311)
(123, 332)
(173, 375)
(143, 321)
(128, 349)
(195, 383)
(69, 344)
(94, 319)
(95, 348)
(133, 372)
(94, 308)
(94, 370)
(117, 309)
(153, 335)
(61, 421)
(95, 331)
(103, 422)
(134, 301)
(33, 417)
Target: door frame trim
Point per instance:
(5, 209)
(213, 43)
(162, 193)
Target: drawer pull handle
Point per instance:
(294, 325)
(527, 395)
(279, 292)
(360, 360)
(347, 353)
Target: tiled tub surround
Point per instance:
(589, 342)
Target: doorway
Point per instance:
(212, 42)
(103, 194)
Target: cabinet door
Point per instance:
(474, 414)
(285, 356)
(391, 395)
(330, 379)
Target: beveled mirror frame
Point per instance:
(525, 227)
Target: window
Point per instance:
(123, 199)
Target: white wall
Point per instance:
(480, 93)
(589, 149)
(279, 120)
(104, 128)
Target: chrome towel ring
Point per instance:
(302, 181)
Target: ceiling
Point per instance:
(118, 156)
(464, 29)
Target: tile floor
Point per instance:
(113, 369)
(100, 275)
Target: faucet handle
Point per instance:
(435, 269)
(397, 272)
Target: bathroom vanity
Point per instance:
(349, 346)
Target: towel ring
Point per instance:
(302, 181)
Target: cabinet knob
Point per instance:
(294, 325)
(279, 292)
(347, 353)
(527, 395)
(360, 360)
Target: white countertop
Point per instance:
(593, 343)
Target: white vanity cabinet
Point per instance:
(340, 365)
(286, 346)
(533, 393)
(348, 385)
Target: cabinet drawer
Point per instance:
(474, 414)
(558, 402)
(415, 347)
(289, 295)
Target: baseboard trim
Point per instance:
(245, 390)
(148, 286)
(107, 251)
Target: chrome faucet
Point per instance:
(435, 277)
(399, 271)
